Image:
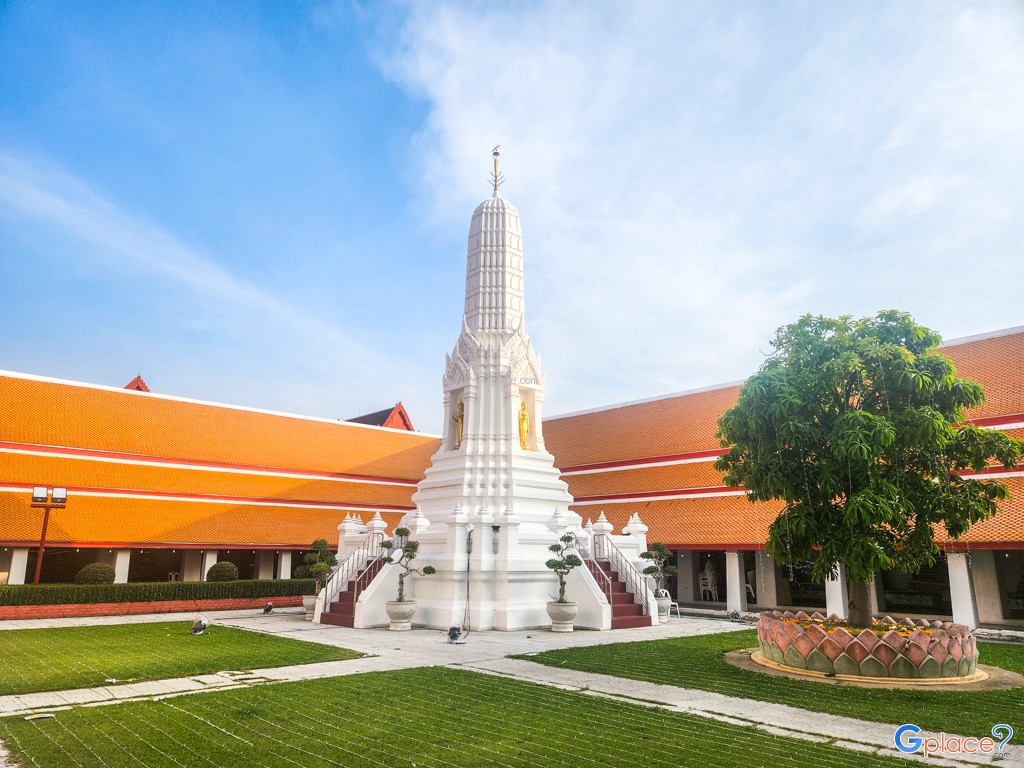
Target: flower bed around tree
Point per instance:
(901, 648)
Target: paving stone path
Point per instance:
(486, 653)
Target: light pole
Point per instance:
(46, 498)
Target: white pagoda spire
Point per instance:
(492, 458)
(494, 267)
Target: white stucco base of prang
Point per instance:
(503, 581)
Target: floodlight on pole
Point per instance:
(47, 499)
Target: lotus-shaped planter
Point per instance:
(902, 648)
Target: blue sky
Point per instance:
(267, 203)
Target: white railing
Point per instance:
(605, 549)
(351, 567)
(373, 565)
(604, 581)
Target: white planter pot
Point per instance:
(400, 614)
(309, 603)
(664, 603)
(562, 615)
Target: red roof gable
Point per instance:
(137, 384)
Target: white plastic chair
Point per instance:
(673, 604)
(709, 582)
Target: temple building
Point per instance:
(163, 487)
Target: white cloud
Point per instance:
(257, 348)
(692, 176)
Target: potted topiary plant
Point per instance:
(562, 611)
(317, 564)
(400, 611)
(659, 555)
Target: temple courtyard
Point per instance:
(300, 693)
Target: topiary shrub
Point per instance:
(96, 573)
(302, 572)
(222, 571)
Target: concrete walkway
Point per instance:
(486, 653)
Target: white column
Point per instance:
(986, 586)
(766, 577)
(837, 595)
(735, 583)
(121, 561)
(19, 566)
(284, 565)
(209, 560)
(965, 610)
(191, 565)
(264, 564)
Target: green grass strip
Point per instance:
(422, 718)
(35, 660)
(698, 662)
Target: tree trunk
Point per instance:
(860, 604)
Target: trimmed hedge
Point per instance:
(144, 592)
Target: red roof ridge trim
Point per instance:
(690, 457)
(92, 454)
(674, 493)
(1007, 421)
(725, 490)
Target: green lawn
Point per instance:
(697, 662)
(81, 657)
(429, 718)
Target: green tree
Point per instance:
(403, 556)
(319, 562)
(564, 563)
(659, 555)
(858, 428)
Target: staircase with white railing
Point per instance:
(349, 579)
(624, 587)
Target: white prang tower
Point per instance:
(492, 488)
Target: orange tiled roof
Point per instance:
(92, 519)
(82, 474)
(996, 364)
(720, 522)
(51, 413)
(189, 450)
(696, 475)
(672, 425)
(713, 522)
(686, 424)
(45, 413)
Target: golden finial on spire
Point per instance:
(497, 179)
